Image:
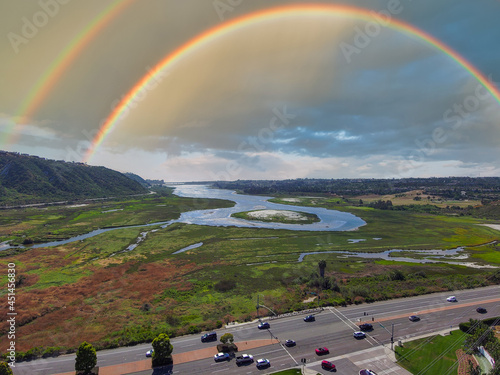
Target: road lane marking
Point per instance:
(368, 338)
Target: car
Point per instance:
(290, 343)
(365, 327)
(221, 357)
(414, 318)
(149, 353)
(327, 365)
(367, 372)
(452, 299)
(322, 351)
(211, 336)
(309, 318)
(263, 363)
(244, 359)
(481, 310)
(359, 335)
(264, 325)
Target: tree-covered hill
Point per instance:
(28, 179)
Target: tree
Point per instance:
(472, 369)
(162, 354)
(479, 334)
(322, 266)
(227, 338)
(86, 358)
(5, 369)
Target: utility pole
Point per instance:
(258, 305)
(392, 337)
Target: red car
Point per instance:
(322, 351)
(327, 365)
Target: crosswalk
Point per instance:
(376, 359)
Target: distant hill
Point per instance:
(28, 179)
(137, 178)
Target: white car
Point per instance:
(221, 357)
(452, 299)
(263, 363)
(359, 334)
(149, 353)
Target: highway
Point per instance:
(333, 328)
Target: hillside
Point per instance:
(28, 179)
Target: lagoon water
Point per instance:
(330, 220)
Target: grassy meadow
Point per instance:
(415, 355)
(94, 290)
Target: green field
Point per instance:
(111, 297)
(431, 356)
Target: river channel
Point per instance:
(330, 220)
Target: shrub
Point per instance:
(162, 347)
(86, 358)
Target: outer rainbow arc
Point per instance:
(279, 12)
(39, 91)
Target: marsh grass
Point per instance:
(100, 296)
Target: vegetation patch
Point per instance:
(432, 356)
(278, 216)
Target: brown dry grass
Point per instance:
(89, 309)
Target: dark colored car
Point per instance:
(481, 310)
(264, 325)
(244, 359)
(322, 351)
(414, 318)
(327, 365)
(290, 343)
(211, 336)
(365, 327)
(309, 318)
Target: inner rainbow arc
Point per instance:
(276, 13)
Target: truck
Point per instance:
(244, 359)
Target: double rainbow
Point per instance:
(48, 79)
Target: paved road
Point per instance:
(333, 328)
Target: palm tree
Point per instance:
(322, 266)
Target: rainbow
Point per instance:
(272, 14)
(47, 80)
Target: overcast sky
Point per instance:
(282, 98)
